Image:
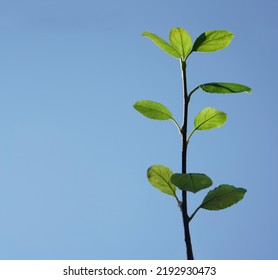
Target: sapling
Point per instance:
(180, 46)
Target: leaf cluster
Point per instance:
(161, 177)
(223, 196)
(180, 43)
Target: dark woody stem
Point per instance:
(185, 217)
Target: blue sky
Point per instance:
(74, 153)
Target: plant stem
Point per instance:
(185, 216)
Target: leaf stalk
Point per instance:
(190, 94)
(194, 213)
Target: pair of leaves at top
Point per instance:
(162, 178)
(180, 43)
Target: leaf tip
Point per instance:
(244, 190)
(145, 33)
(249, 91)
(135, 105)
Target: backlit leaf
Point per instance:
(160, 177)
(209, 118)
(162, 44)
(192, 182)
(222, 197)
(181, 41)
(225, 88)
(213, 40)
(153, 110)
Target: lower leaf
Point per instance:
(192, 182)
(159, 176)
(222, 197)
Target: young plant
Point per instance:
(161, 177)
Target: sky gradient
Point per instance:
(74, 152)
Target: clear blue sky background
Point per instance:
(74, 153)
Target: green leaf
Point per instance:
(209, 118)
(213, 40)
(222, 197)
(159, 176)
(153, 110)
(225, 88)
(181, 41)
(192, 182)
(162, 44)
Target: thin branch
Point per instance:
(191, 133)
(194, 213)
(190, 94)
(176, 123)
(185, 216)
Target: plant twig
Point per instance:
(185, 216)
